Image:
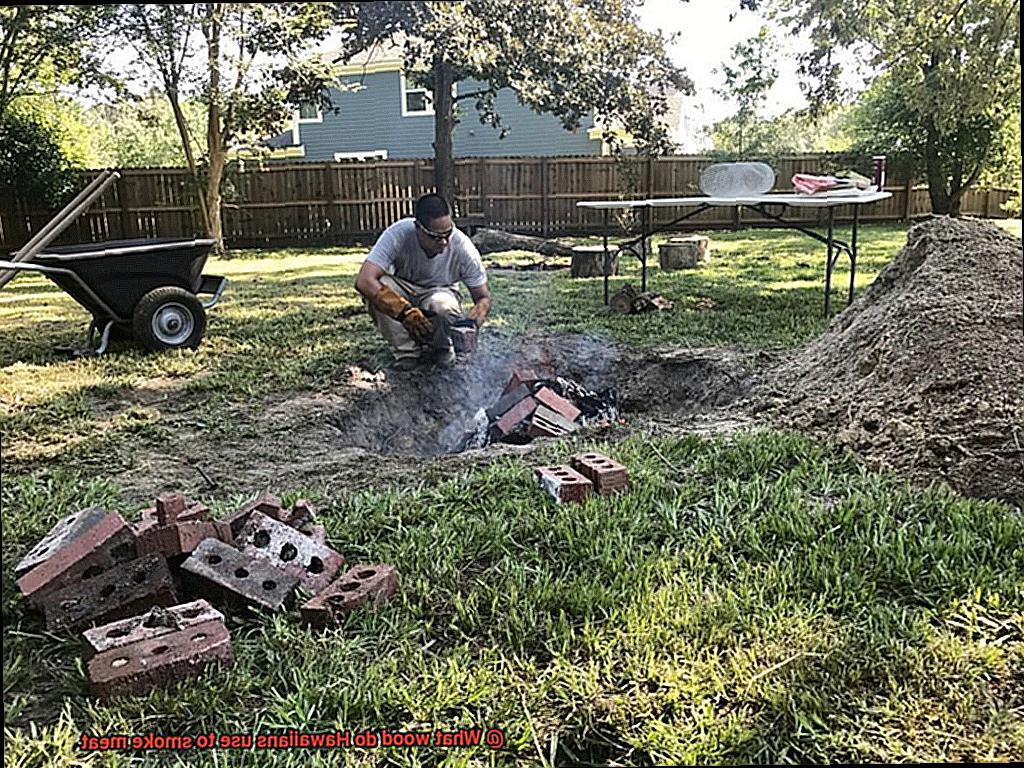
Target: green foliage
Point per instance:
(788, 133)
(44, 46)
(141, 133)
(32, 159)
(748, 78)
(949, 83)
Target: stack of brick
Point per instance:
(124, 584)
(589, 472)
(529, 407)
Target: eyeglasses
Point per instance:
(435, 235)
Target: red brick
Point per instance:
(123, 590)
(318, 534)
(146, 626)
(507, 402)
(107, 542)
(359, 586)
(62, 534)
(547, 423)
(607, 475)
(557, 403)
(178, 538)
(313, 564)
(563, 483)
(216, 569)
(302, 515)
(266, 503)
(516, 416)
(139, 668)
(519, 376)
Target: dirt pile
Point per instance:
(924, 374)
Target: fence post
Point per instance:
(988, 203)
(545, 214)
(908, 192)
(481, 176)
(127, 230)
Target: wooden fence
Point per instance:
(272, 205)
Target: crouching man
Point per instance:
(410, 281)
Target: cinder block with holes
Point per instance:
(138, 668)
(123, 590)
(547, 423)
(557, 403)
(563, 483)
(515, 416)
(106, 543)
(62, 534)
(313, 564)
(154, 623)
(607, 475)
(266, 503)
(360, 585)
(216, 568)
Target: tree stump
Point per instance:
(588, 261)
(683, 252)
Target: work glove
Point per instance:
(390, 303)
(478, 314)
(416, 323)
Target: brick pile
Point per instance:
(143, 595)
(586, 473)
(532, 405)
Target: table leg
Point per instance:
(828, 258)
(853, 253)
(645, 227)
(604, 229)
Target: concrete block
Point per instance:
(557, 403)
(546, 423)
(107, 542)
(215, 568)
(146, 626)
(63, 533)
(607, 475)
(563, 483)
(313, 564)
(359, 586)
(151, 663)
(515, 416)
(463, 339)
(123, 590)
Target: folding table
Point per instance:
(758, 203)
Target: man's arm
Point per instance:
(390, 303)
(368, 280)
(481, 296)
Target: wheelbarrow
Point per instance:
(147, 289)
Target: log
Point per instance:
(683, 252)
(588, 261)
(495, 241)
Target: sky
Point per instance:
(705, 40)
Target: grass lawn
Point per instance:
(753, 598)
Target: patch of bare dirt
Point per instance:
(924, 374)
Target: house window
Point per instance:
(416, 101)
(310, 113)
(370, 154)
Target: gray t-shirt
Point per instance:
(398, 252)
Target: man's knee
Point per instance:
(442, 303)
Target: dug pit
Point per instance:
(435, 412)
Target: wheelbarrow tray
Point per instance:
(121, 272)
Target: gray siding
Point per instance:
(371, 119)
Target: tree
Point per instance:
(794, 131)
(950, 74)
(748, 79)
(32, 160)
(228, 56)
(142, 132)
(43, 46)
(569, 58)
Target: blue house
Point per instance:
(385, 116)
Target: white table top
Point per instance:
(785, 198)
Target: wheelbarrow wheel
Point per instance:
(169, 318)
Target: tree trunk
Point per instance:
(937, 189)
(190, 158)
(444, 125)
(214, 135)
